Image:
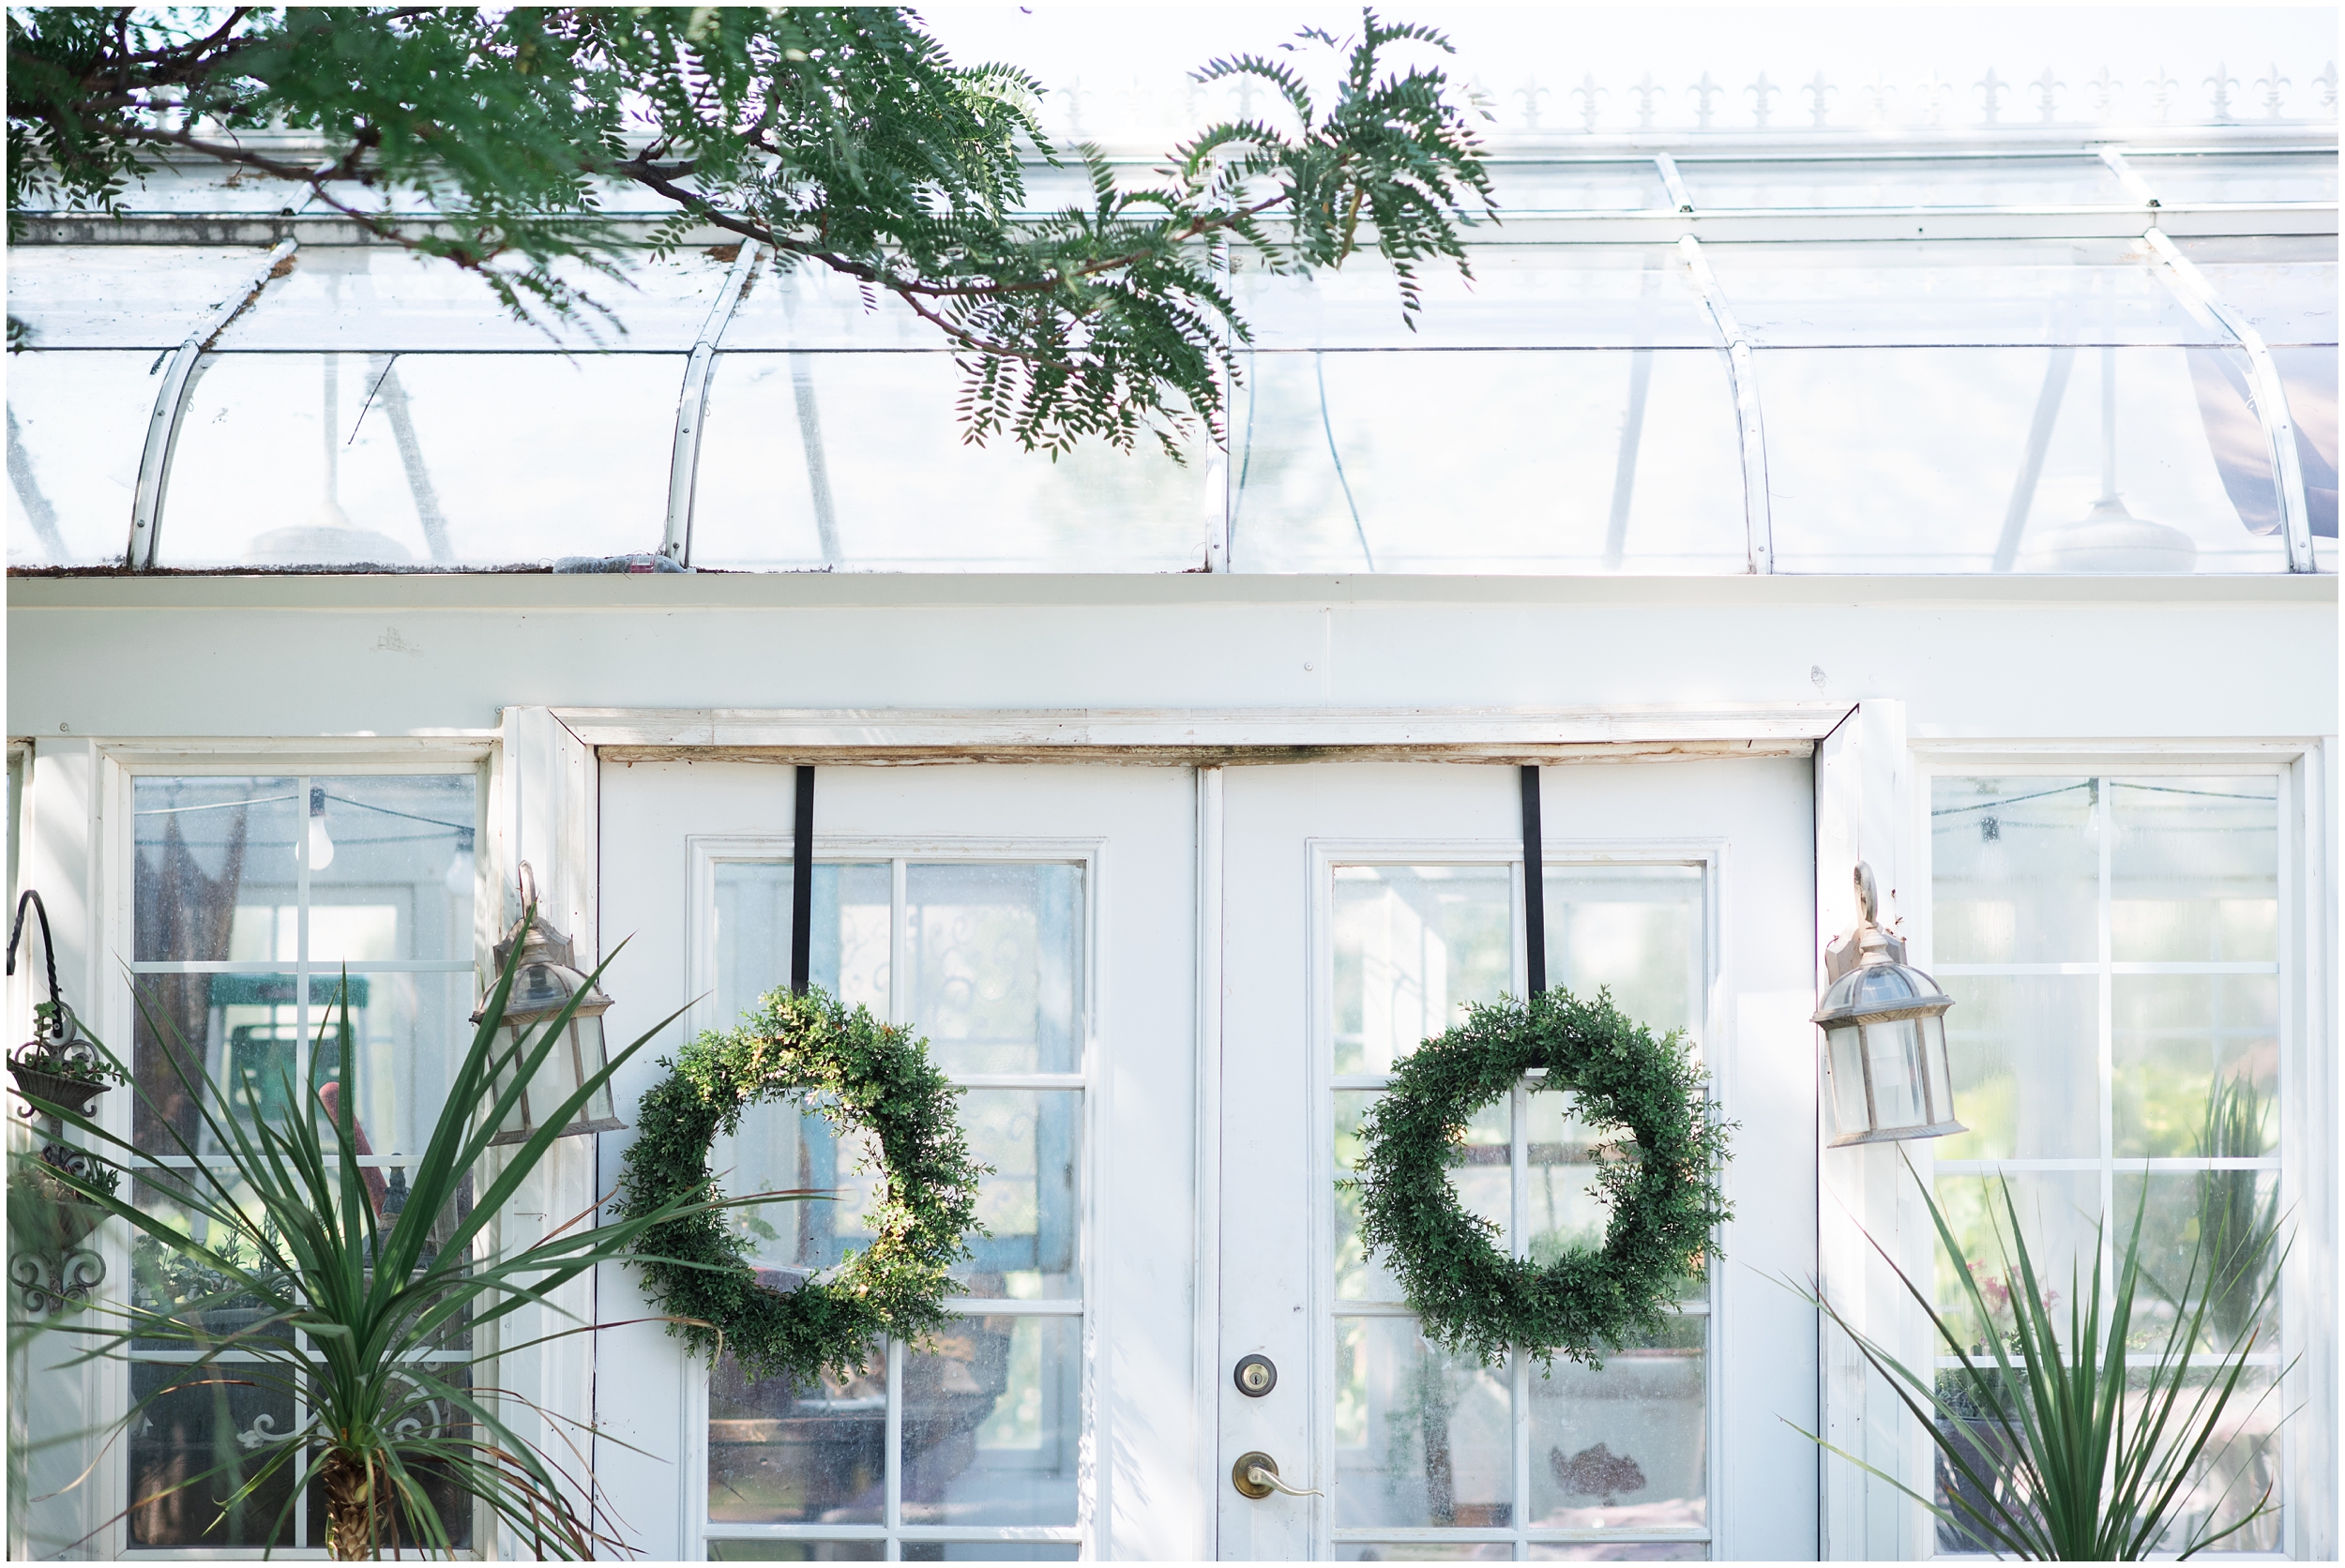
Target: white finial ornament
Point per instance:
(2048, 88)
(1818, 91)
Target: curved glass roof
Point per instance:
(1857, 363)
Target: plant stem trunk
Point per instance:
(352, 1528)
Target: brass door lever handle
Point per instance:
(1256, 1475)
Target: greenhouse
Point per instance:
(1860, 600)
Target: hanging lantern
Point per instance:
(1885, 1037)
(543, 985)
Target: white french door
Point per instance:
(1165, 1198)
(1036, 925)
(1364, 908)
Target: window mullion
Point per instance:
(2106, 1032)
(892, 1509)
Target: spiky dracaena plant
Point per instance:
(356, 1315)
(2087, 1457)
(2237, 1217)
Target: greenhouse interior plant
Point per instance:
(2052, 1441)
(302, 1277)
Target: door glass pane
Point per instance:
(1626, 1447)
(1414, 947)
(996, 955)
(1635, 930)
(1480, 1173)
(782, 1454)
(847, 956)
(1033, 1140)
(1422, 1437)
(990, 1416)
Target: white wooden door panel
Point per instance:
(1120, 1354)
(1363, 907)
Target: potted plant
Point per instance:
(2053, 1441)
(310, 1290)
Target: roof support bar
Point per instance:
(162, 426)
(2270, 399)
(1672, 182)
(2128, 177)
(691, 409)
(1758, 514)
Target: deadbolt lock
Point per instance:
(1255, 1376)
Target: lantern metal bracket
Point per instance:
(51, 1265)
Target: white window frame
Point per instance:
(114, 839)
(1088, 1309)
(1327, 856)
(2308, 1049)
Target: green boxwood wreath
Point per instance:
(1665, 1196)
(860, 1074)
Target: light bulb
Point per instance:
(460, 871)
(321, 846)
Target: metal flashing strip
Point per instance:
(1758, 514)
(162, 426)
(691, 408)
(2270, 397)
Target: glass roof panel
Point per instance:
(1520, 297)
(1955, 291)
(2284, 284)
(1568, 462)
(2064, 181)
(2116, 459)
(1632, 185)
(855, 462)
(77, 422)
(124, 296)
(352, 298)
(2309, 380)
(419, 458)
(2183, 179)
(807, 306)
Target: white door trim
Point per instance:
(1175, 734)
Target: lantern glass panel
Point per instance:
(1895, 1052)
(1844, 1057)
(1933, 1035)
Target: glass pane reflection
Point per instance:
(77, 424)
(2041, 460)
(1548, 461)
(431, 458)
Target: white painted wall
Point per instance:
(391, 656)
